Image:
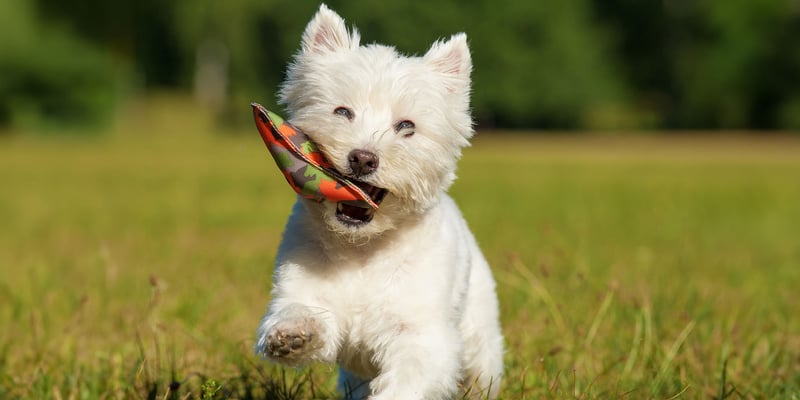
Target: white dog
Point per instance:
(402, 297)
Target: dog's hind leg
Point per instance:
(353, 387)
(483, 366)
(422, 362)
(483, 340)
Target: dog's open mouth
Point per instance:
(359, 212)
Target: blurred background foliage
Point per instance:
(573, 64)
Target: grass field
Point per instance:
(137, 264)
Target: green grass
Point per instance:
(137, 265)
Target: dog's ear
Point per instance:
(327, 33)
(452, 59)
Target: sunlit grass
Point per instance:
(137, 264)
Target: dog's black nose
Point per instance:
(362, 162)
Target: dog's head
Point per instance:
(386, 120)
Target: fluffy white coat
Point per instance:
(405, 303)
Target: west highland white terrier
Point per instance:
(400, 297)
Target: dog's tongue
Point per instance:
(304, 166)
(354, 212)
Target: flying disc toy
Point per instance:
(305, 168)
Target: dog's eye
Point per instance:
(404, 125)
(344, 112)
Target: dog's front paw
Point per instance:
(291, 342)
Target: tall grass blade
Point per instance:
(543, 294)
(670, 356)
(598, 318)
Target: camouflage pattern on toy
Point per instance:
(303, 165)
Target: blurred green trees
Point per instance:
(596, 64)
(710, 64)
(47, 73)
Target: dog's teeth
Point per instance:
(339, 207)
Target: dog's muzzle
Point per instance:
(311, 175)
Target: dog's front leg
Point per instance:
(295, 334)
(418, 363)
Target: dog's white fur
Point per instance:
(405, 303)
